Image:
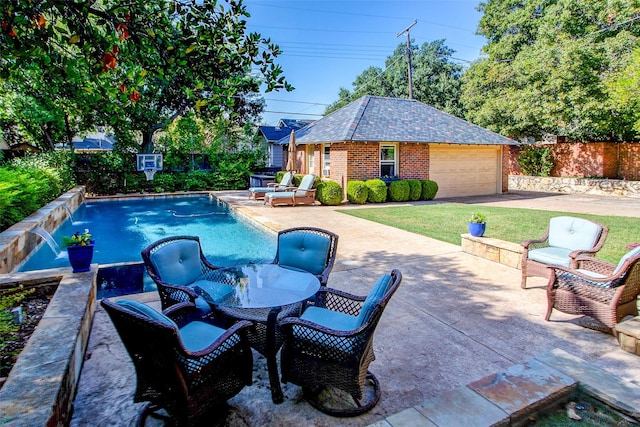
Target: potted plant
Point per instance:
(80, 249)
(476, 225)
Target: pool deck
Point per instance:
(456, 319)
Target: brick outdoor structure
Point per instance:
(360, 161)
(619, 160)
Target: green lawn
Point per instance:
(447, 221)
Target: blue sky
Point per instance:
(327, 44)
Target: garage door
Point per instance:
(465, 170)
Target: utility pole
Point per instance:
(406, 30)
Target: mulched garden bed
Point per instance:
(33, 308)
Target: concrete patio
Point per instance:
(455, 319)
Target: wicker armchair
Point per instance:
(177, 265)
(565, 239)
(331, 346)
(597, 289)
(184, 365)
(307, 248)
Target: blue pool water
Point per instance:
(122, 228)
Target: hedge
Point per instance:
(399, 191)
(377, 190)
(329, 193)
(415, 189)
(429, 189)
(357, 192)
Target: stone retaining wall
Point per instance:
(506, 253)
(16, 242)
(42, 384)
(611, 187)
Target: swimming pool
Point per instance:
(123, 227)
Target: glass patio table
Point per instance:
(260, 293)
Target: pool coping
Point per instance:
(510, 397)
(42, 385)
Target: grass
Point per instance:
(447, 221)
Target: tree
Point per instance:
(623, 89)
(436, 79)
(547, 65)
(139, 65)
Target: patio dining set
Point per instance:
(197, 353)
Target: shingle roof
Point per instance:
(274, 133)
(380, 119)
(295, 123)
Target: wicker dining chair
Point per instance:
(330, 346)
(177, 265)
(597, 289)
(307, 248)
(184, 365)
(565, 239)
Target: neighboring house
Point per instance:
(377, 137)
(273, 134)
(94, 142)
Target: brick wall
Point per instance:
(414, 161)
(629, 161)
(363, 160)
(588, 159)
(506, 161)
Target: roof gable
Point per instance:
(378, 119)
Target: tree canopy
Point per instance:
(135, 66)
(436, 79)
(552, 67)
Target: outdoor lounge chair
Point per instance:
(307, 248)
(565, 239)
(177, 265)
(284, 185)
(597, 289)
(331, 346)
(304, 194)
(184, 365)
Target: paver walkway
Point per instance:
(455, 319)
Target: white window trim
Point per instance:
(388, 162)
(326, 168)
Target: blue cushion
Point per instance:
(212, 292)
(331, 319)
(178, 263)
(305, 185)
(198, 335)
(590, 273)
(262, 189)
(573, 233)
(280, 195)
(377, 291)
(632, 253)
(306, 251)
(146, 311)
(551, 256)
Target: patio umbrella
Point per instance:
(291, 157)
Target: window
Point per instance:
(388, 160)
(311, 158)
(326, 160)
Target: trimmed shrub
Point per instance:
(399, 191)
(429, 189)
(329, 193)
(279, 175)
(357, 192)
(377, 190)
(415, 189)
